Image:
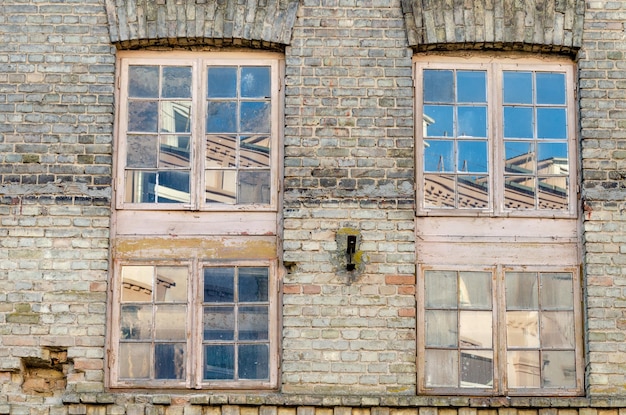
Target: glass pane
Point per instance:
(476, 369)
(170, 322)
(557, 329)
(439, 191)
(175, 117)
(553, 192)
(519, 192)
(172, 284)
(219, 285)
(472, 121)
(441, 328)
(557, 291)
(254, 186)
(552, 158)
(475, 290)
(438, 86)
(440, 289)
(253, 284)
(439, 120)
(173, 187)
(475, 329)
(140, 187)
(219, 362)
(174, 152)
(471, 86)
(518, 87)
(255, 82)
(255, 117)
(518, 122)
(551, 123)
(559, 369)
(253, 323)
(137, 283)
(176, 82)
(169, 361)
(134, 361)
(142, 116)
(521, 291)
(221, 117)
(221, 151)
(473, 192)
(142, 151)
(550, 88)
(523, 369)
(253, 361)
(222, 82)
(519, 157)
(220, 186)
(255, 151)
(472, 157)
(439, 156)
(441, 368)
(136, 322)
(522, 329)
(143, 81)
(219, 323)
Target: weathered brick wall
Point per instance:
(349, 170)
(602, 115)
(56, 104)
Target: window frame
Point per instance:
(495, 65)
(200, 62)
(194, 342)
(499, 333)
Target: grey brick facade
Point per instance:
(348, 342)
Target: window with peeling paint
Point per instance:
(497, 223)
(194, 272)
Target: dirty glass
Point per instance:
(523, 369)
(221, 117)
(134, 361)
(176, 82)
(441, 328)
(253, 361)
(255, 82)
(557, 291)
(522, 291)
(559, 369)
(143, 116)
(253, 284)
(169, 361)
(143, 81)
(219, 362)
(441, 289)
(254, 186)
(252, 322)
(222, 82)
(219, 285)
(441, 368)
(475, 329)
(522, 329)
(219, 323)
(475, 290)
(170, 322)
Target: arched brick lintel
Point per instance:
(249, 23)
(527, 25)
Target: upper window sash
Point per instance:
(203, 130)
(484, 109)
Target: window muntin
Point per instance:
(496, 138)
(524, 340)
(232, 344)
(198, 134)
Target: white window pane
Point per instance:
(559, 369)
(219, 362)
(255, 82)
(136, 322)
(176, 82)
(523, 369)
(440, 122)
(441, 368)
(134, 361)
(476, 369)
(169, 361)
(441, 328)
(441, 289)
(522, 329)
(253, 361)
(557, 330)
(475, 329)
(170, 322)
(438, 86)
(143, 81)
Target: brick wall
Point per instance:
(348, 337)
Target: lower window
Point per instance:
(190, 324)
(501, 331)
